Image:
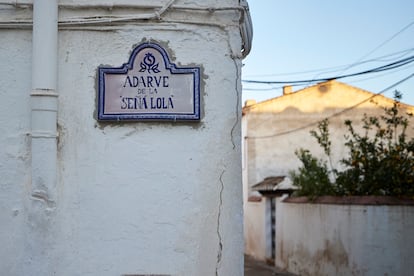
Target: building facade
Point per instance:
(274, 129)
(82, 195)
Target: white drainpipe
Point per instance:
(44, 103)
(44, 99)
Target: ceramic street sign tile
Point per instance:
(149, 87)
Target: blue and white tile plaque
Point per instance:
(149, 87)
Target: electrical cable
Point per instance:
(260, 89)
(381, 75)
(372, 51)
(384, 58)
(274, 88)
(382, 68)
(379, 46)
(349, 82)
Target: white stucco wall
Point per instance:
(255, 213)
(255, 229)
(132, 198)
(344, 239)
(15, 73)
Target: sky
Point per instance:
(305, 40)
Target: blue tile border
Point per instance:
(150, 116)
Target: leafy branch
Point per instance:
(380, 161)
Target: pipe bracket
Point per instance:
(44, 92)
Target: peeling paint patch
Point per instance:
(43, 196)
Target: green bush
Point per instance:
(379, 162)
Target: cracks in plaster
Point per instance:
(236, 56)
(220, 249)
(238, 80)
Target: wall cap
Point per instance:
(353, 200)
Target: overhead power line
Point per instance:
(275, 87)
(340, 68)
(383, 68)
(379, 46)
(360, 61)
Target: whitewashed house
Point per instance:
(109, 110)
(273, 130)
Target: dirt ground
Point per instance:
(254, 267)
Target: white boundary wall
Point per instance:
(326, 239)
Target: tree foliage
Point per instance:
(380, 161)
